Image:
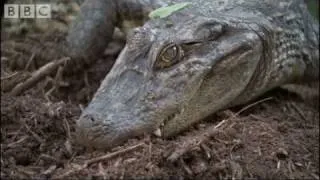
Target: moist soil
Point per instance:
(274, 137)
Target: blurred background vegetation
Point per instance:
(64, 11)
(313, 6)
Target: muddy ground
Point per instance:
(273, 137)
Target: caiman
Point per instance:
(176, 70)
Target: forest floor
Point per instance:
(273, 137)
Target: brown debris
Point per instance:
(100, 158)
(37, 76)
(210, 131)
(271, 140)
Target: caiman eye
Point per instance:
(168, 56)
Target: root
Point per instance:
(37, 76)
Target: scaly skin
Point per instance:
(175, 71)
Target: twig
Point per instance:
(50, 170)
(193, 142)
(11, 82)
(206, 149)
(51, 158)
(100, 158)
(4, 59)
(111, 155)
(315, 176)
(253, 104)
(102, 171)
(259, 118)
(67, 128)
(13, 144)
(35, 135)
(47, 94)
(56, 83)
(29, 62)
(58, 80)
(81, 107)
(299, 111)
(186, 167)
(9, 76)
(220, 124)
(37, 76)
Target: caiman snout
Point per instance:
(94, 133)
(107, 130)
(90, 132)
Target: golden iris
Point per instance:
(168, 56)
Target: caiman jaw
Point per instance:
(159, 131)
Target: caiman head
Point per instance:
(172, 73)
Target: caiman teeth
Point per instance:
(157, 132)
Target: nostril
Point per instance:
(89, 122)
(89, 117)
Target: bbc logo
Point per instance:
(27, 11)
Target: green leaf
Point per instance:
(167, 11)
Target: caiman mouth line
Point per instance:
(159, 130)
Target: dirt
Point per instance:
(276, 138)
